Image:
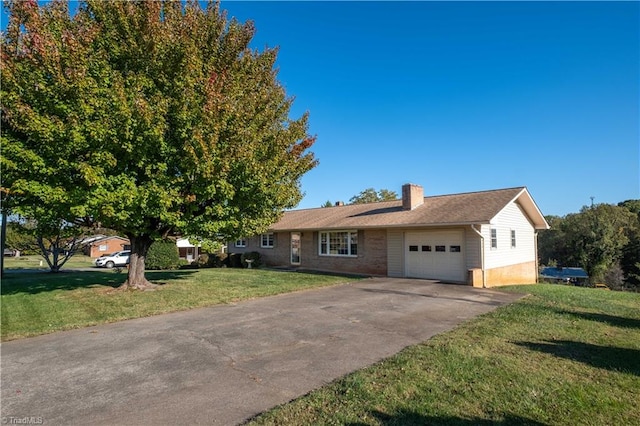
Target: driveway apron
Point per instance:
(227, 363)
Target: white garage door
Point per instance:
(435, 255)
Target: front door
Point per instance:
(295, 248)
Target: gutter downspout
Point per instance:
(484, 278)
(535, 246)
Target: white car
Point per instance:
(119, 258)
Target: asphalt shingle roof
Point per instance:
(442, 210)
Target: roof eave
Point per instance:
(394, 226)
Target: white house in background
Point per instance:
(484, 239)
(187, 251)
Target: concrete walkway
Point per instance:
(225, 364)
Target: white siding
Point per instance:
(472, 245)
(510, 218)
(395, 253)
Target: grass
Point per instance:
(35, 303)
(38, 262)
(561, 356)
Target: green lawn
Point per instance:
(39, 302)
(38, 262)
(561, 356)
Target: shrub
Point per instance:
(206, 260)
(163, 255)
(254, 256)
(217, 260)
(234, 260)
(202, 261)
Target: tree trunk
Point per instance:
(139, 248)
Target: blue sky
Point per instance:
(462, 96)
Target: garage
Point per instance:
(437, 255)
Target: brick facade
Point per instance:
(370, 260)
(106, 245)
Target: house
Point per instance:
(484, 239)
(101, 245)
(186, 250)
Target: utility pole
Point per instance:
(592, 198)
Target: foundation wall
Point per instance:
(522, 273)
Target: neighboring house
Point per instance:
(483, 239)
(186, 250)
(573, 275)
(106, 245)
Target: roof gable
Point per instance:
(443, 210)
(110, 237)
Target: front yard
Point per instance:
(38, 262)
(38, 302)
(561, 356)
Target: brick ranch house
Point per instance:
(106, 245)
(483, 239)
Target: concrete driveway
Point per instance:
(225, 364)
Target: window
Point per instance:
(266, 240)
(513, 238)
(441, 248)
(241, 243)
(494, 238)
(454, 249)
(426, 248)
(339, 243)
(102, 247)
(413, 248)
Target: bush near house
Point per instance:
(239, 260)
(234, 260)
(254, 256)
(214, 260)
(163, 255)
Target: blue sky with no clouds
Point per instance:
(463, 96)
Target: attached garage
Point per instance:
(437, 255)
(484, 238)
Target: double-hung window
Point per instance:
(241, 242)
(494, 238)
(266, 240)
(513, 238)
(338, 243)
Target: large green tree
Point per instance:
(54, 239)
(149, 118)
(630, 261)
(370, 195)
(597, 236)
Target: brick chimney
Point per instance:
(412, 196)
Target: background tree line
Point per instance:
(369, 195)
(604, 239)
